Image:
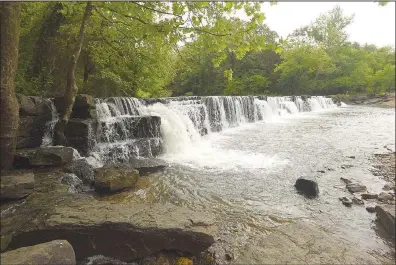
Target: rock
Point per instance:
(309, 188)
(83, 170)
(352, 157)
(321, 171)
(75, 184)
(112, 179)
(80, 134)
(123, 231)
(84, 107)
(370, 209)
(383, 196)
(357, 201)
(102, 260)
(33, 106)
(386, 216)
(346, 201)
(368, 196)
(183, 261)
(54, 252)
(43, 156)
(346, 166)
(16, 184)
(356, 187)
(303, 243)
(387, 187)
(346, 181)
(31, 130)
(147, 165)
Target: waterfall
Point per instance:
(49, 127)
(127, 127)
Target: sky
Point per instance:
(372, 24)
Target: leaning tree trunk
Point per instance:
(10, 17)
(71, 86)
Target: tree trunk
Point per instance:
(71, 86)
(10, 17)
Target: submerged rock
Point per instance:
(303, 243)
(54, 252)
(16, 184)
(387, 187)
(386, 216)
(356, 187)
(346, 201)
(147, 165)
(368, 196)
(370, 209)
(43, 156)
(112, 179)
(307, 187)
(83, 170)
(346, 181)
(75, 184)
(357, 201)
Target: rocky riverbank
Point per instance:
(386, 101)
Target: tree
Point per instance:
(71, 87)
(10, 13)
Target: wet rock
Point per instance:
(75, 184)
(386, 216)
(307, 187)
(387, 187)
(183, 261)
(352, 157)
(346, 181)
(112, 179)
(83, 170)
(303, 243)
(321, 171)
(80, 134)
(31, 130)
(383, 196)
(346, 201)
(123, 231)
(357, 201)
(43, 156)
(369, 196)
(33, 106)
(54, 252)
(16, 184)
(346, 166)
(102, 260)
(147, 165)
(370, 209)
(356, 187)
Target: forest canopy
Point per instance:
(159, 49)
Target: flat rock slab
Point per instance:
(16, 184)
(43, 156)
(147, 165)
(302, 243)
(122, 231)
(54, 252)
(112, 179)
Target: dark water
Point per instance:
(245, 175)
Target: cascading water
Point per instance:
(128, 127)
(49, 127)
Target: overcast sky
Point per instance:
(373, 24)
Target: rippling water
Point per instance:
(245, 175)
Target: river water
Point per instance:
(245, 175)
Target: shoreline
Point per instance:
(387, 101)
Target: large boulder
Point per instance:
(16, 184)
(53, 252)
(43, 156)
(33, 106)
(112, 179)
(307, 187)
(84, 107)
(80, 134)
(31, 130)
(123, 231)
(386, 216)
